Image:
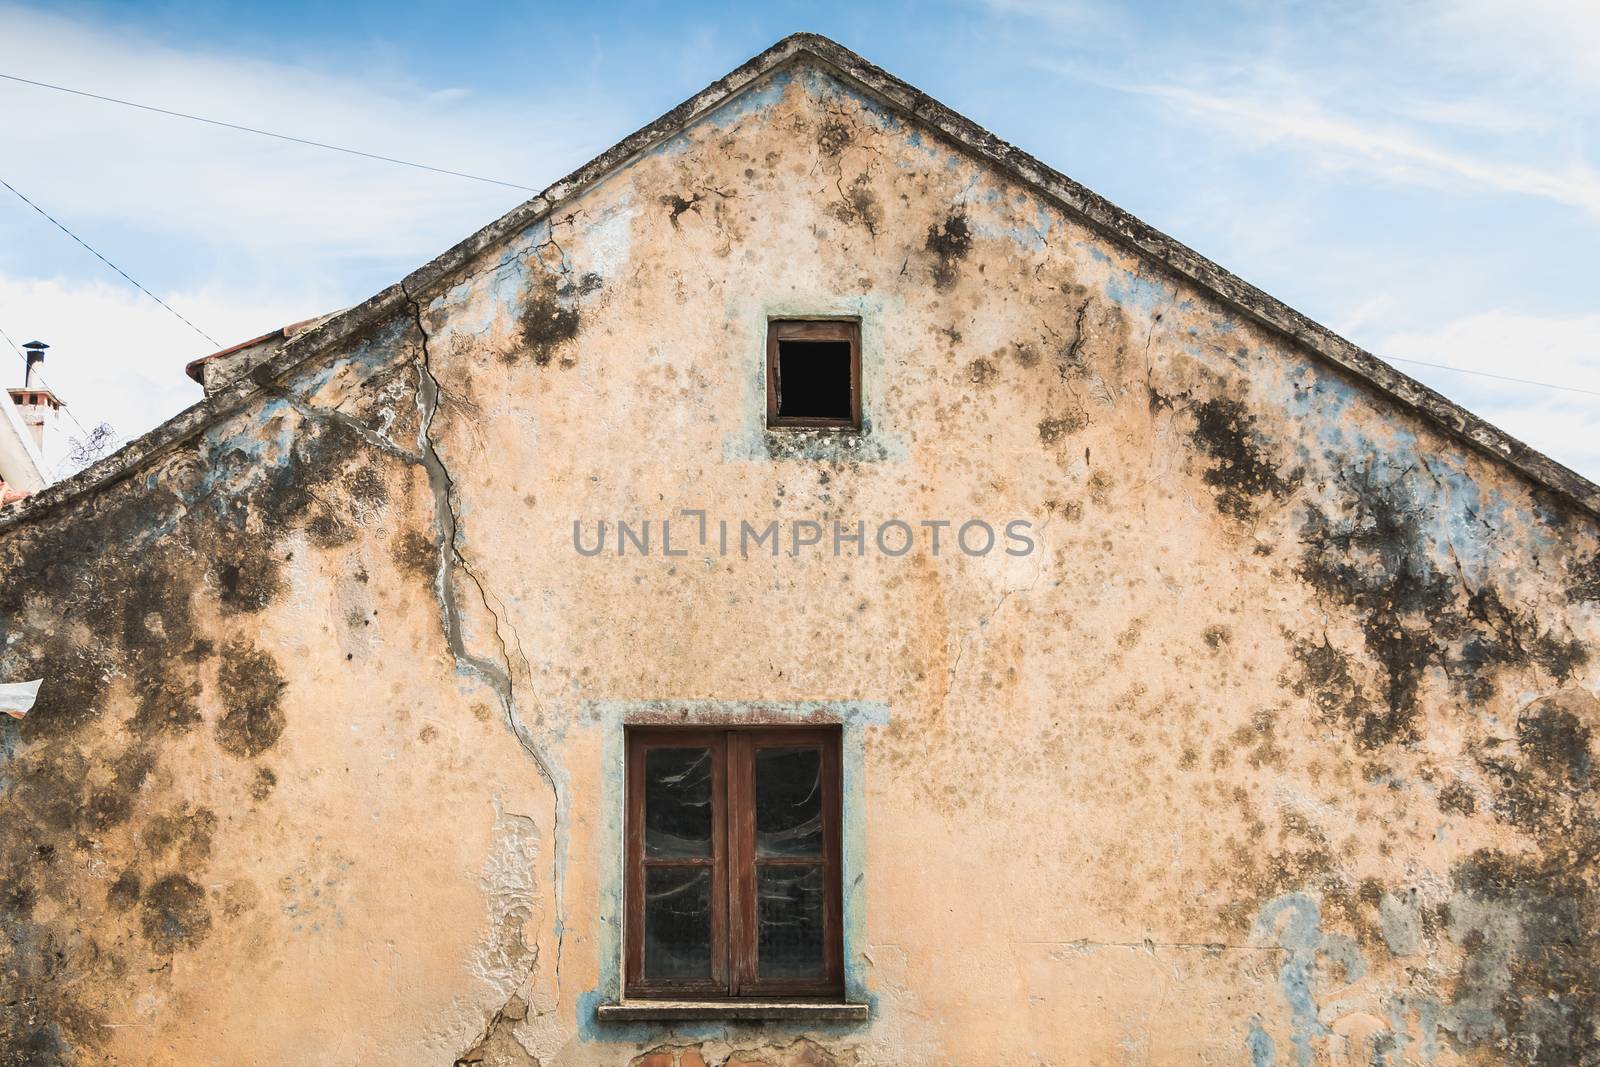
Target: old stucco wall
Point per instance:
(1276, 751)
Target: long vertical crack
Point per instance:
(498, 675)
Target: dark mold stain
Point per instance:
(100, 597)
(1544, 778)
(1373, 552)
(113, 803)
(1157, 401)
(834, 136)
(1529, 985)
(416, 553)
(1457, 799)
(189, 831)
(676, 205)
(262, 785)
(367, 485)
(251, 685)
(1242, 471)
(124, 892)
(949, 244)
(859, 206)
(327, 530)
(1584, 586)
(550, 316)
(175, 914)
(1053, 430)
(247, 582)
(1557, 741)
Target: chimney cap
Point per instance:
(37, 346)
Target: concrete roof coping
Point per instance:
(1093, 210)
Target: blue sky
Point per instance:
(1422, 177)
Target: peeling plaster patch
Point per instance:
(505, 958)
(499, 1045)
(608, 242)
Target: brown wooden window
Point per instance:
(814, 373)
(733, 864)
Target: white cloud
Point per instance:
(1065, 14)
(1386, 150)
(1542, 41)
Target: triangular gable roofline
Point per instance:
(1093, 210)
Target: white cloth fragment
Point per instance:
(16, 698)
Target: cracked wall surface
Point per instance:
(1278, 750)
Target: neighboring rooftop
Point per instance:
(222, 367)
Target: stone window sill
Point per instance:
(710, 1010)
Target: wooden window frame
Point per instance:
(846, 330)
(734, 926)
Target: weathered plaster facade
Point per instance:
(1278, 750)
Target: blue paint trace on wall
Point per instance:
(1311, 957)
(1128, 289)
(1263, 1053)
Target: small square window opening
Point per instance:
(814, 374)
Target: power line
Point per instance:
(1498, 377)
(215, 343)
(268, 133)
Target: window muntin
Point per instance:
(814, 373)
(751, 905)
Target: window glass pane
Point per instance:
(789, 912)
(814, 379)
(788, 802)
(677, 922)
(677, 802)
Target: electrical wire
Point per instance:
(113, 266)
(1497, 377)
(268, 133)
(492, 181)
(529, 188)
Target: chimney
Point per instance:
(35, 402)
